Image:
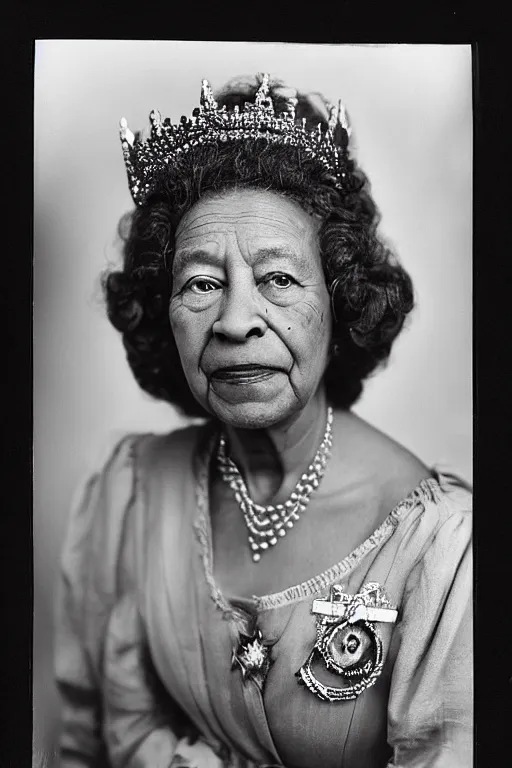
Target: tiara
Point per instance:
(146, 160)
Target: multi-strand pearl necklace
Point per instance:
(267, 524)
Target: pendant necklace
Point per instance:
(267, 524)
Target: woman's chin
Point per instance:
(251, 402)
(252, 414)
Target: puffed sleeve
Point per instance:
(431, 698)
(86, 591)
(115, 712)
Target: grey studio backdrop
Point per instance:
(411, 112)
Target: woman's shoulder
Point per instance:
(129, 449)
(110, 490)
(376, 460)
(399, 478)
(111, 480)
(434, 523)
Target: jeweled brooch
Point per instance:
(252, 656)
(348, 642)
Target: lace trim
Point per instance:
(323, 580)
(427, 490)
(203, 532)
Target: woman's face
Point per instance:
(250, 310)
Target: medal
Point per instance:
(348, 642)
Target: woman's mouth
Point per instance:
(240, 374)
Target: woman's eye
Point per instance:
(202, 285)
(280, 280)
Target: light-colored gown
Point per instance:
(140, 617)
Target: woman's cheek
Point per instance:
(177, 319)
(187, 316)
(308, 333)
(195, 303)
(190, 329)
(309, 317)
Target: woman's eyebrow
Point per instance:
(187, 257)
(276, 252)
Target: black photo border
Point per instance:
(344, 22)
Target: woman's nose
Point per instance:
(240, 317)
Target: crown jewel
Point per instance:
(146, 160)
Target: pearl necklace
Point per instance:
(267, 524)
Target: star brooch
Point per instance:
(252, 656)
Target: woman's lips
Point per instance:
(242, 384)
(238, 374)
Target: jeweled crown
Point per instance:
(147, 159)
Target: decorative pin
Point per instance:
(253, 657)
(347, 641)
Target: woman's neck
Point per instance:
(272, 460)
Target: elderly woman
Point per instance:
(279, 584)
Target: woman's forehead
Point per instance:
(258, 227)
(255, 213)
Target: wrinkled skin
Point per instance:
(249, 289)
